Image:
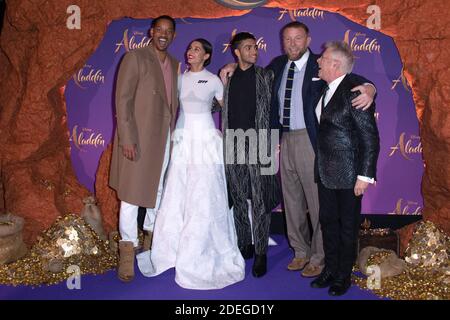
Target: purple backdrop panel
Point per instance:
(90, 93)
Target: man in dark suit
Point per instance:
(347, 151)
(293, 95)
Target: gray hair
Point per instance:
(342, 52)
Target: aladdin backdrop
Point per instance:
(44, 44)
(90, 92)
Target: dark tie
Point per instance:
(287, 98)
(324, 93)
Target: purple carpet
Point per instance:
(277, 284)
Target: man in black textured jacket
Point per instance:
(347, 151)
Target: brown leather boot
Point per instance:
(148, 237)
(126, 261)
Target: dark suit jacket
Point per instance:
(348, 143)
(310, 91)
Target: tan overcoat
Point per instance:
(144, 117)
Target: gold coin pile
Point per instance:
(70, 241)
(377, 258)
(427, 276)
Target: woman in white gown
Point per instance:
(194, 228)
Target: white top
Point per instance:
(197, 90)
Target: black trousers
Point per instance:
(339, 216)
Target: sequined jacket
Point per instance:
(348, 142)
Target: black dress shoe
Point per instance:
(340, 286)
(259, 265)
(325, 279)
(247, 251)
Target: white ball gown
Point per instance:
(194, 228)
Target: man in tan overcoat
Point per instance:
(146, 106)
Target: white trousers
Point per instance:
(128, 215)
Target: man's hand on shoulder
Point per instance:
(227, 71)
(365, 99)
